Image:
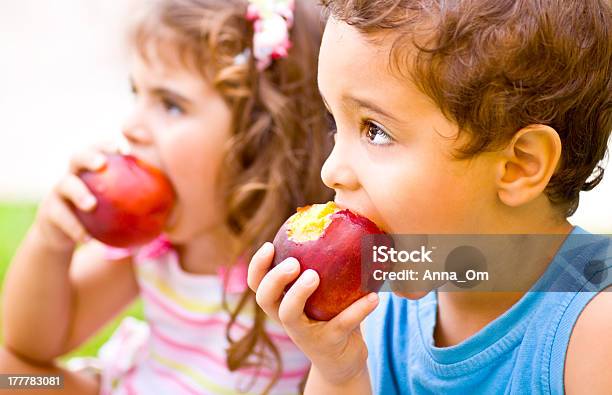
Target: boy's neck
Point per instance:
(460, 315)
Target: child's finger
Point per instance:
(109, 147)
(88, 160)
(351, 317)
(291, 309)
(73, 189)
(273, 284)
(62, 217)
(258, 267)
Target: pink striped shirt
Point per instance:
(181, 347)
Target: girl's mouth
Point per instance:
(149, 157)
(174, 217)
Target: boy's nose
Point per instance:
(337, 171)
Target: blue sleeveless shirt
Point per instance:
(520, 352)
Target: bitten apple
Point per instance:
(328, 239)
(134, 201)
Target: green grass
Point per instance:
(15, 219)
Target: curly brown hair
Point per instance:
(494, 67)
(280, 130)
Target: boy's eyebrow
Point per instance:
(364, 103)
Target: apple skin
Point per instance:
(134, 201)
(336, 257)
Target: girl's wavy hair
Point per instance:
(280, 128)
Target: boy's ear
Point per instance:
(527, 164)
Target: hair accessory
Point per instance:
(272, 20)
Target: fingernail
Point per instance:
(308, 277)
(372, 297)
(88, 202)
(290, 265)
(98, 161)
(266, 247)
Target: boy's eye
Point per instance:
(375, 134)
(171, 107)
(331, 122)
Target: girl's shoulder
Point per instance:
(157, 268)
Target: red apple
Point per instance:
(134, 200)
(328, 239)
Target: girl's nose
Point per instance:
(136, 130)
(136, 135)
(338, 170)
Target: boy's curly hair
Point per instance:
(494, 67)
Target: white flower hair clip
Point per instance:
(272, 20)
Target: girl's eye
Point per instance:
(376, 135)
(171, 107)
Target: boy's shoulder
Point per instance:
(589, 353)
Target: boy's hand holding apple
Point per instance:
(335, 347)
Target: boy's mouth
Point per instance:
(343, 206)
(363, 213)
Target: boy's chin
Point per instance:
(414, 295)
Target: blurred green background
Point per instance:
(15, 219)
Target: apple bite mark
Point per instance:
(310, 222)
